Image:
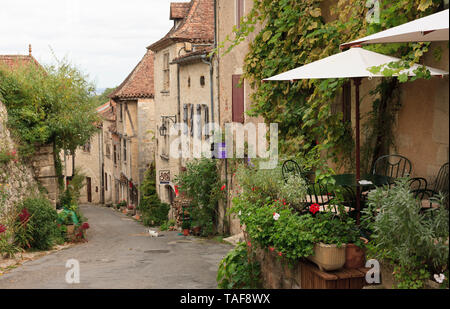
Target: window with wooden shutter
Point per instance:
(239, 12)
(191, 119)
(124, 150)
(166, 72)
(238, 100)
(185, 119)
(206, 120)
(198, 121)
(115, 154)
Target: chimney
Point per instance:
(29, 49)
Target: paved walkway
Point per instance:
(120, 254)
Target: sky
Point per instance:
(104, 38)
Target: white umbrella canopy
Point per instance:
(353, 63)
(427, 29)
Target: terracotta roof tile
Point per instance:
(139, 83)
(179, 10)
(106, 111)
(17, 60)
(196, 27)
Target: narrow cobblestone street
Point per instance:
(121, 254)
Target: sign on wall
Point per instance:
(164, 177)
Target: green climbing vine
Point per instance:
(293, 33)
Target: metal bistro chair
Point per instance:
(320, 194)
(291, 168)
(394, 166)
(418, 187)
(440, 186)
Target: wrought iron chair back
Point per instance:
(291, 168)
(395, 166)
(320, 194)
(418, 187)
(441, 183)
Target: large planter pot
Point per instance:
(355, 257)
(70, 230)
(186, 232)
(328, 257)
(196, 230)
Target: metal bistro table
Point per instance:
(349, 180)
(368, 182)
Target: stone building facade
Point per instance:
(182, 85)
(232, 92)
(132, 139)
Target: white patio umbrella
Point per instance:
(353, 63)
(427, 29)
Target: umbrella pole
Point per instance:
(357, 82)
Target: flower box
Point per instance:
(328, 257)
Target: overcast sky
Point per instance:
(105, 38)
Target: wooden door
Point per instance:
(89, 189)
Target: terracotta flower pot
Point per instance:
(355, 257)
(186, 232)
(328, 257)
(197, 230)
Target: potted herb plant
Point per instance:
(186, 225)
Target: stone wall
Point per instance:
(16, 179)
(276, 273)
(45, 172)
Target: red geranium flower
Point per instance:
(85, 226)
(249, 244)
(314, 208)
(24, 216)
(176, 191)
(280, 253)
(223, 188)
(272, 249)
(2, 228)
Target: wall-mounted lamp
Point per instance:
(163, 129)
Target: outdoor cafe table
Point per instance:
(349, 180)
(371, 181)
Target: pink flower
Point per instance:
(272, 249)
(280, 253)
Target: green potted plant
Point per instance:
(186, 225)
(196, 228)
(70, 226)
(331, 234)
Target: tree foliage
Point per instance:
(51, 104)
(295, 33)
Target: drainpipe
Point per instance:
(101, 166)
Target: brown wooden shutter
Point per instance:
(239, 12)
(238, 100)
